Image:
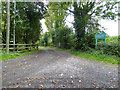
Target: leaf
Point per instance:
(61, 74)
(72, 82)
(63, 85)
(26, 86)
(41, 85)
(29, 84)
(80, 80)
(54, 81)
(18, 79)
(75, 74)
(113, 80)
(38, 78)
(27, 78)
(16, 87)
(71, 77)
(110, 75)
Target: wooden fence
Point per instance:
(19, 47)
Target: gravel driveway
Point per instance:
(57, 69)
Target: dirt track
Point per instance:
(57, 69)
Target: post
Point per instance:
(8, 26)
(14, 25)
(1, 43)
(96, 43)
(37, 46)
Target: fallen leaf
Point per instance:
(75, 74)
(113, 85)
(41, 85)
(71, 82)
(71, 77)
(18, 79)
(46, 78)
(16, 87)
(54, 81)
(63, 85)
(113, 80)
(38, 78)
(80, 80)
(61, 74)
(43, 78)
(29, 84)
(27, 78)
(110, 75)
(26, 86)
(30, 80)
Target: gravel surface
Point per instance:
(57, 69)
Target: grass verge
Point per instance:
(13, 55)
(94, 55)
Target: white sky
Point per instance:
(110, 25)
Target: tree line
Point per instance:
(86, 22)
(27, 17)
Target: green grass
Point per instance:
(13, 55)
(98, 57)
(94, 55)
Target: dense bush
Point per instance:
(112, 46)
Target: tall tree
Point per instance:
(86, 15)
(28, 16)
(56, 16)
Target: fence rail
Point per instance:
(19, 47)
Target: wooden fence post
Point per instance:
(37, 46)
(8, 26)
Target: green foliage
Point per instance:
(12, 55)
(63, 37)
(112, 47)
(86, 15)
(97, 56)
(27, 16)
(45, 39)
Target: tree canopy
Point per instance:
(28, 16)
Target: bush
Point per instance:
(112, 46)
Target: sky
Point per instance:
(110, 25)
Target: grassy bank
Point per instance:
(13, 55)
(94, 55)
(98, 57)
